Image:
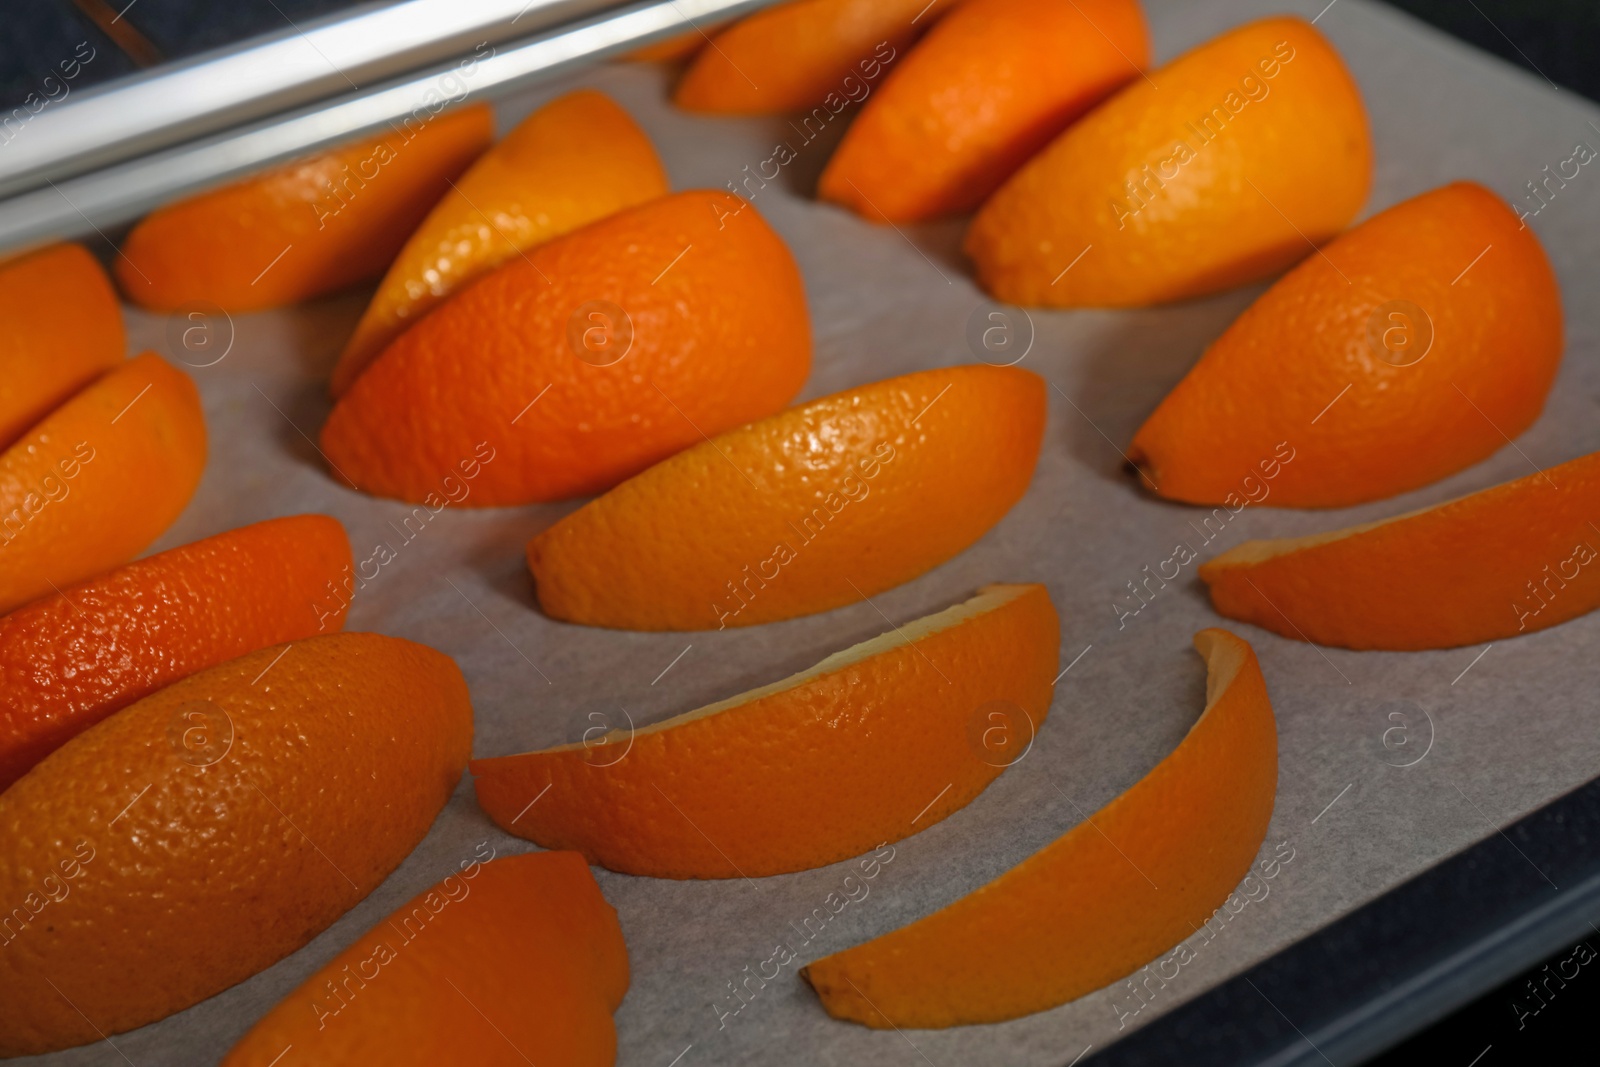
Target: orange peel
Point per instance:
(829, 502)
(99, 478)
(1511, 559)
(1408, 348)
(1226, 165)
(1116, 891)
(205, 832)
(871, 745)
(532, 950)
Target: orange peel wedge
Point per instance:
(816, 507)
(41, 364)
(534, 953)
(1511, 559)
(99, 478)
(1114, 892)
(871, 745)
(578, 158)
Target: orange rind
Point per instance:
(584, 361)
(212, 828)
(821, 506)
(1413, 346)
(72, 658)
(874, 743)
(512, 961)
(1129, 882)
(1509, 560)
(1227, 165)
(576, 159)
(98, 479)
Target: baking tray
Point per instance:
(1491, 734)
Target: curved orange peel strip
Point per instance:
(1114, 892)
(871, 745)
(517, 960)
(1510, 559)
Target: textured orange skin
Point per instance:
(1453, 574)
(59, 528)
(988, 87)
(1304, 146)
(664, 550)
(1496, 347)
(534, 953)
(797, 779)
(60, 327)
(351, 741)
(720, 337)
(71, 659)
(1079, 913)
(218, 247)
(790, 57)
(577, 159)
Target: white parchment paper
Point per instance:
(1502, 732)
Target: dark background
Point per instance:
(1534, 1018)
(1558, 38)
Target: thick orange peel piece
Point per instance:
(99, 478)
(42, 363)
(205, 832)
(829, 502)
(649, 329)
(871, 745)
(1222, 167)
(310, 227)
(1410, 347)
(1117, 890)
(991, 84)
(1511, 559)
(73, 658)
(517, 960)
